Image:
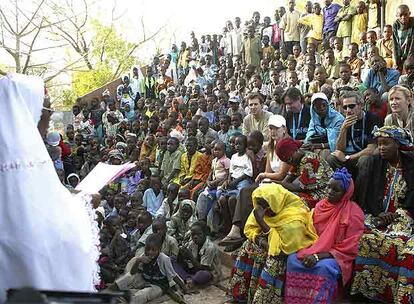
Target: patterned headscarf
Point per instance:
(342, 175)
(116, 154)
(402, 136)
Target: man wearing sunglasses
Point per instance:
(355, 138)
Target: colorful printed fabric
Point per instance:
(384, 268)
(317, 284)
(314, 173)
(398, 134)
(256, 278)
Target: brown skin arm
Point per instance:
(367, 151)
(341, 141)
(293, 186)
(310, 260)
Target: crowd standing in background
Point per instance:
(287, 138)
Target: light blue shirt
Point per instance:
(151, 201)
(373, 80)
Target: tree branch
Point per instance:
(29, 55)
(61, 70)
(11, 30)
(31, 19)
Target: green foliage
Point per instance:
(110, 56)
(110, 48)
(84, 82)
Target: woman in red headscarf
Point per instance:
(310, 173)
(313, 273)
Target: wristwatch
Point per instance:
(347, 157)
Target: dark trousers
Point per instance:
(326, 37)
(244, 206)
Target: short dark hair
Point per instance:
(192, 140)
(227, 118)
(203, 226)
(243, 138)
(160, 220)
(238, 114)
(255, 95)
(257, 135)
(154, 240)
(293, 93)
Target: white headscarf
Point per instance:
(47, 239)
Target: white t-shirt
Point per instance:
(240, 165)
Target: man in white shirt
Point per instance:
(135, 81)
(237, 38)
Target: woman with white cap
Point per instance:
(276, 170)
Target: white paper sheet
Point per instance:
(101, 175)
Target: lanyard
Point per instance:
(294, 131)
(362, 136)
(390, 191)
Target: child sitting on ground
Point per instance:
(190, 164)
(151, 275)
(119, 247)
(203, 171)
(171, 164)
(140, 234)
(153, 196)
(170, 204)
(181, 221)
(148, 148)
(236, 121)
(137, 175)
(225, 123)
(169, 244)
(199, 262)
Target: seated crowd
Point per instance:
(290, 142)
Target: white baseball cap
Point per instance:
(319, 96)
(53, 138)
(277, 121)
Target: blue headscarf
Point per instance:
(402, 136)
(342, 175)
(333, 123)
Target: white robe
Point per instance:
(47, 238)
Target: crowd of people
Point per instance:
(288, 141)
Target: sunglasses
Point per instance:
(350, 106)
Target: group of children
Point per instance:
(197, 144)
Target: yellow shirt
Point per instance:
(315, 22)
(339, 55)
(359, 25)
(332, 70)
(183, 59)
(345, 27)
(289, 24)
(386, 47)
